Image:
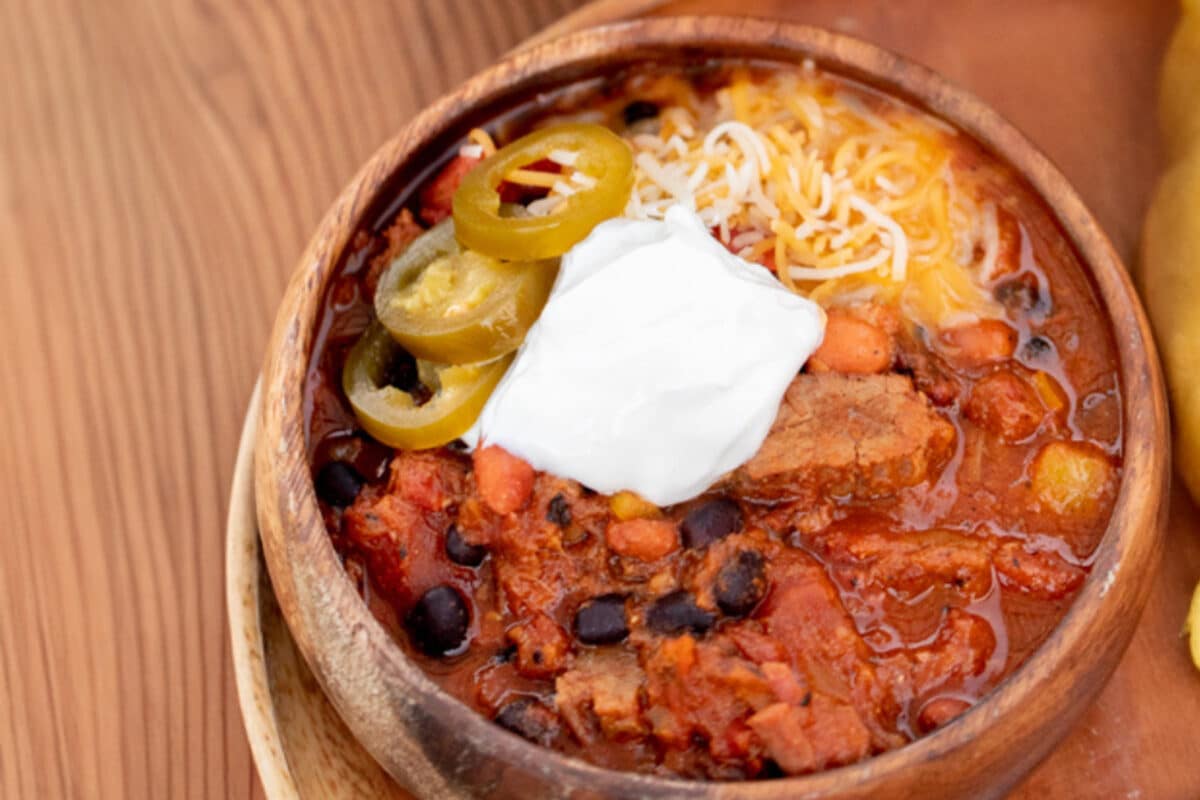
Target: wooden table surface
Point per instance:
(161, 166)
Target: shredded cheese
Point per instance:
(533, 177)
(849, 196)
(483, 139)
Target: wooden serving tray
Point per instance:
(1079, 79)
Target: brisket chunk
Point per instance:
(862, 435)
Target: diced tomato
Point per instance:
(542, 647)
(403, 551)
(425, 479)
(438, 197)
(1044, 575)
(505, 482)
(645, 539)
(399, 235)
(518, 193)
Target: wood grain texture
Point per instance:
(162, 165)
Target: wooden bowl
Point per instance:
(438, 747)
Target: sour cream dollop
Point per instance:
(657, 365)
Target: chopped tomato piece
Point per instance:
(542, 647)
(399, 235)
(426, 479)
(437, 198)
(810, 737)
(645, 539)
(505, 481)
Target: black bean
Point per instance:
(438, 622)
(461, 551)
(373, 458)
(1018, 294)
(1037, 347)
(338, 484)
(677, 612)
(601, 620)
(528, 719)
(559, 512)
(741, 584)
(639, 110)
(713, 520)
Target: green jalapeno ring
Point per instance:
(599, 153)
(393, 417)
(456, 306)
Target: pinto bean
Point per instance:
(1005, 405)
(852, 346)
(939, 711)
(978, 343)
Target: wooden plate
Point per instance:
(300, 745)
